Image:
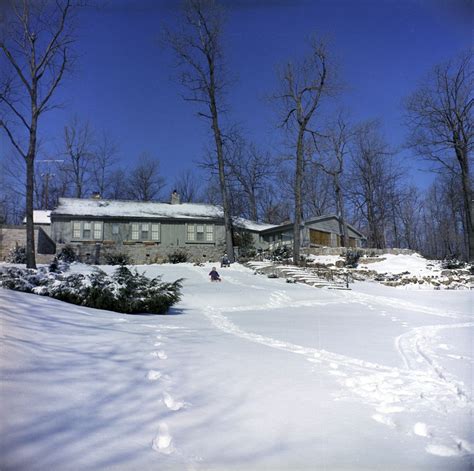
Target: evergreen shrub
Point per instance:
(123, 291)
(178, 256)
(17, 254)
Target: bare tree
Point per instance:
(145, 181)
(441, 126)
(188, 187)
(303, 86)
(443, 216)
(117, 188)
(249, 171)
(35, 40)
(274, 208)
(198, 47)
(373, 180)
(104, 159)
(78, 153)
(333, 150)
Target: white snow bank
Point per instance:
(395, 264)
(250, 373)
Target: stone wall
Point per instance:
(365, 251)
(12, 236)
(143, 252)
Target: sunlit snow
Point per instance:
(251, 373)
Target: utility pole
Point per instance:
(47, 176)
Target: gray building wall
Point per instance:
(285, 234)
(117, 238)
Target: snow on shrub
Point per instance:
(17, 254)
(123, 291)
(117, 259)
(178, 256)
(352, 258)
(68, 254)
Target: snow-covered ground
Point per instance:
(251, 373)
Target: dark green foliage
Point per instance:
(67, 254)
(17, 255)
(352, 258)
(244, 241)
(124, 291)
(284, 252)
(117, 259)
(452, 264)
(178, 256)
(54, 266)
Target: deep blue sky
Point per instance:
(123, 82)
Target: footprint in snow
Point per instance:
(162, 443)
(160, 354)
(443, 450)
(170, 402)
(421, 430)
(153, 375)
(383, 419)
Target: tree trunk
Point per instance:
(298, 199)
(463, 159)
(229, 244)
(30, 232)
(340, 212)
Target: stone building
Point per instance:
(321, 231)
(147, 232)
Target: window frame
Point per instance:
(208, 233)
(145, 232)
(95, 230)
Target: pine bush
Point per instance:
(178, 256)
(68, 254)
(123, 291)
(17, 254)
(117, 259)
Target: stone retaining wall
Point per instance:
(142, 253)
(365, 251)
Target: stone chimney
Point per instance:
(175, 199)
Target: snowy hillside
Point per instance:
(410, 271)
(251, 373)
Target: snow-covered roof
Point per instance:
(252, 225)
(141, 209)
(135, 209)
(40, 216)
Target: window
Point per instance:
(145, 232)
(86, 230)
(200, 233)
(135, 231)
(155, 232)
(97, 230)
(76, 230)
(115, 229)
(209, 233)
(190, 233)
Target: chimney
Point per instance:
(95, 195)
(175, 199)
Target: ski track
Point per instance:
(421, 383)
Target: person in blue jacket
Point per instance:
(214, 275)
